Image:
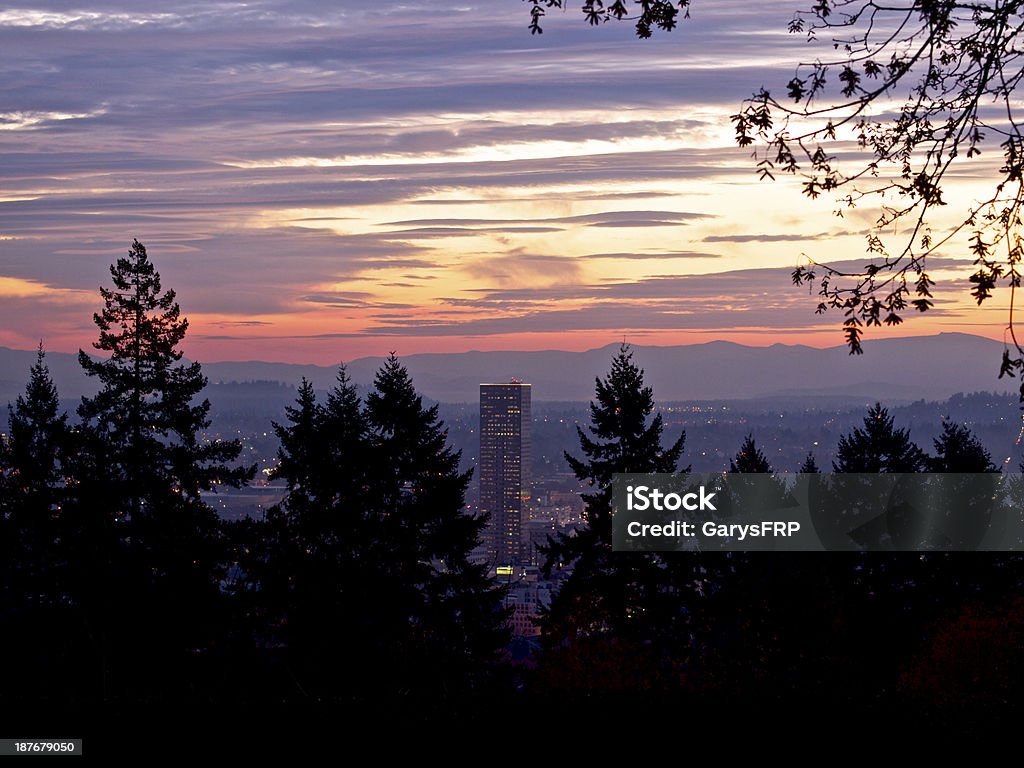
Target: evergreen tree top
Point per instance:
(958, 450)
(410, 438)
(35, 446)
(810, 466)
(394, 403)
(621, 438)
(344, 396)
(878, 446)
(147, 414)
(608, 593)
(750, 459)
(623, 400)
(140, 324)
(40, 403)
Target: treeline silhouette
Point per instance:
(121, 587)
(848, 629)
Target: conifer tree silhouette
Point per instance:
(453, 625)
(958, 450)
(809, 466)
(616, 621)
(367, 566)
(750, 458)
(150, 558)
(34, 459)
(316, 579)
(878, 446)
(35, 474)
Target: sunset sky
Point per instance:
(321, 181)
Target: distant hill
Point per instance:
(932, 367)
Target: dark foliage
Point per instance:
(364, 577)
(122, 590)
(878, 446)
(809, 466)
(957, 450)
(147, 561)
(749, 458)
(35, 458)
(615, 612)
(647, 15)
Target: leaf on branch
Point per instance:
(853, 334)
(851, 79)
(985, 282)
(923, 282)
(536, 14)
(928, 190)
(743, 126)
(1007, 366)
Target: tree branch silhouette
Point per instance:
(962, 63)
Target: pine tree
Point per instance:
(35, 450)
(958, 450)
(810, 466)
(150, 544)
(966, 497)
(300, 456)
(752, 605)
(366, 570)
(316, 580)
(879, 592)
(347, 440)
(34, 466)
(34, 461)
(612, 606)
(289, 556)
(741, 493)
(878, 447)
(323, 459)
(145, 410)
(750, 459)
(441, 621)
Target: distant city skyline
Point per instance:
(329, 180)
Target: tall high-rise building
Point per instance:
(505, 467)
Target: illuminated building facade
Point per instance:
(505, 467)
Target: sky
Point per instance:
(321, 181)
